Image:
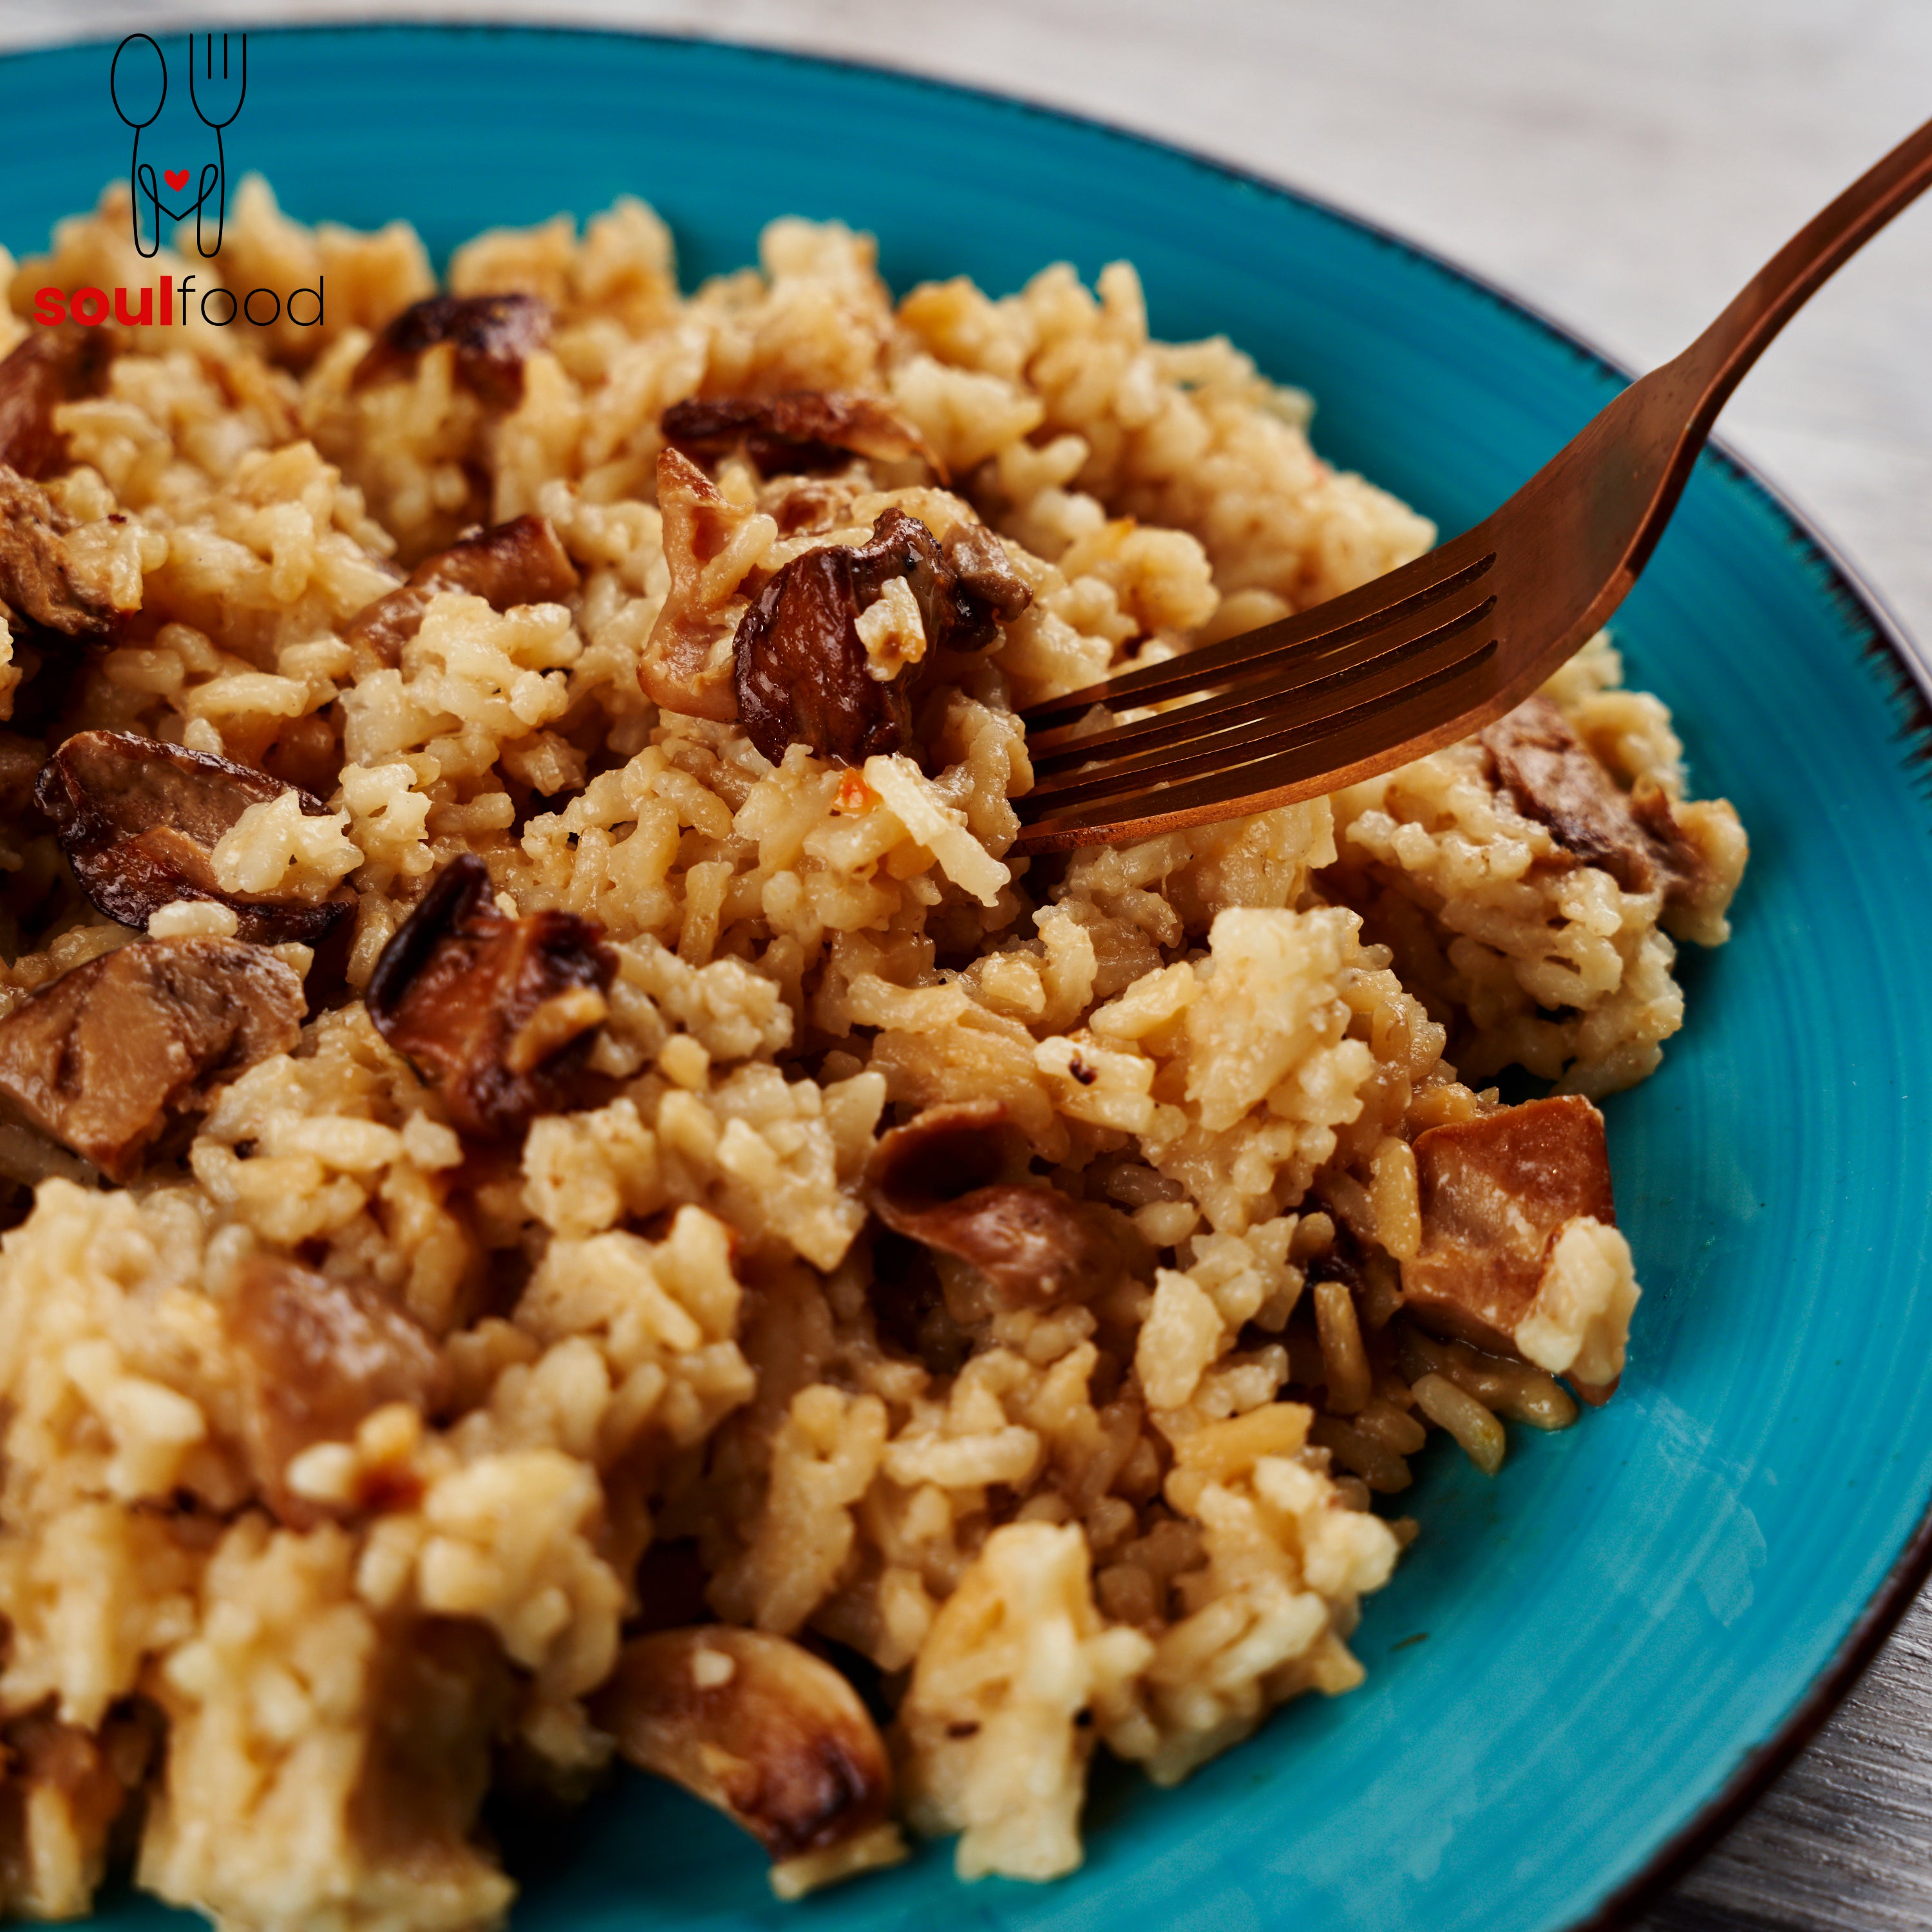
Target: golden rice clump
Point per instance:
(663, 1325)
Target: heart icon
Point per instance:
(175, 178)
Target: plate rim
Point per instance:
(1895, 656)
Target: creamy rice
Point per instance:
(655, 1359)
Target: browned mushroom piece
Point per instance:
(492, 335)
(1554, 778)
(1496, 1192)
(801, 431)
(497, 1012)
(140, 821)
(686, 663)
(520, 562)
(51, 367)
(317, 1354)
(773, 1736)
(937, 1179)
(986, 574)
(34, 580)
(105, 1057)
(800, 668)
(1681, 862)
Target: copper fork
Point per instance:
(1445, 645)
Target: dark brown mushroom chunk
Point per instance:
(909, 1305)
(801, 431)
(497, 1012)
(492, 334)
(986, 574)
(318, 1353)
(34, 580)
(520, 562)
(1681, 862)
(754, 1724)
(686, 666)
(938, 1179)
(107, 1056)
(800, 668)
(139, 820)
(51, 367)
(1496, 1192)
(1552, 777)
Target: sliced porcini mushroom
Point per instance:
(938, 1180)
(1497, 1194)
(686, 663)
(492, 335)
(49, 367)
(1680, 860)
(801, 670)
(105, 1057)
(317, 1354)
(497, 1012)
(34, 579)
(773, 1736)
(519, 561)
(1552, 777)
(139, 820)
(909, 1304)
(801, 431)
(986, 574)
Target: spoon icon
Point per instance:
(146, 79)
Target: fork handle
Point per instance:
(1720, 357)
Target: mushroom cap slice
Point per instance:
(1497, 1194)
(492, 334)
(497, 1012)
(936, 1179)
(104, 1057)
(35, 580)
(520, 562)
(800, 430)
(686, 664)
(48, 367)
(755, 1724)
(1554, 777)
(140, 820)
(800, 669)
(317, 1354)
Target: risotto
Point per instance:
(572, 1201)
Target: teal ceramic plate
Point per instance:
(1583, 1664)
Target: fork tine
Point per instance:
(1358, 614)
(1298, 763)
(1272, 729)
(1411, 646)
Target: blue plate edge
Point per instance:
(1895, 658)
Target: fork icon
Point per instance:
(207, 90)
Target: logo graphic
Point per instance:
(138, 84)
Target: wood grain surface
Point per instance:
(1625, 167)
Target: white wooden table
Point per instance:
(1625, 167)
